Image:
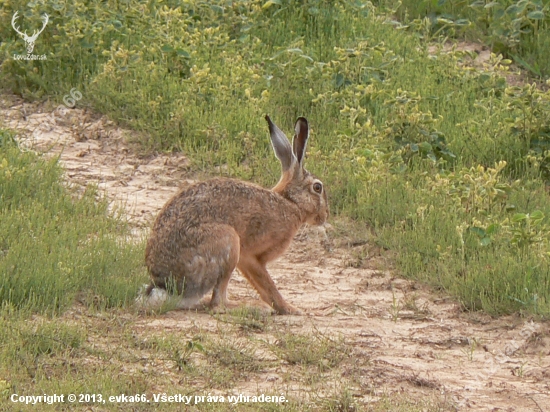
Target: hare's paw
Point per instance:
(222, 306)
(289, 310)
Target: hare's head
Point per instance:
(296, 183)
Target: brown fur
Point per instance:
(211, 227)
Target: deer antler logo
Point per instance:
(30, 39)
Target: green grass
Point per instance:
(404, 140)
(88, 353)
(518, 29)
(57, 245)
(316, 350)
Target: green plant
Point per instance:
(414, 132)
(248, 319)
(395, 307)
(317, 350)
(518, 29)
(182, 356)
(528, 229)
(470, 350)
(79, 248)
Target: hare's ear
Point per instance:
(299, 142)
(281, 146)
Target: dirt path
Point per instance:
(404, 340)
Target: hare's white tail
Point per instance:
(159, 297)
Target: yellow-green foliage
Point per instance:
(517, 28)
(447, 163)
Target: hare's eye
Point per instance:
(318, 187)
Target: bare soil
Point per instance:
(404, 339)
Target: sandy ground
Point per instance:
(417, 343)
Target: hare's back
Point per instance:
(227, 201)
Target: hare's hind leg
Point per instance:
(223, 252)
(258, 276)
(193, 262)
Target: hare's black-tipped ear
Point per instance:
(299, 142)
(281, 146)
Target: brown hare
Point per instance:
(210, 228)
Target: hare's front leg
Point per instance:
(258, 276)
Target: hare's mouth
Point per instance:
(317, 220)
